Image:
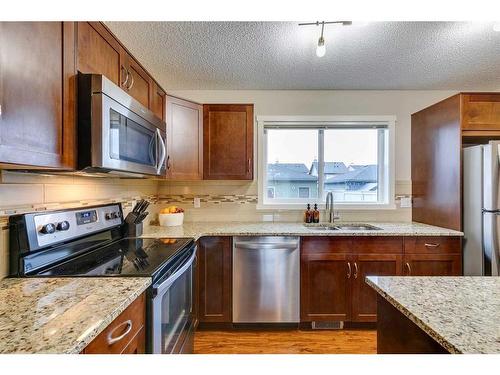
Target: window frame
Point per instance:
(308, 192)
(386, 169)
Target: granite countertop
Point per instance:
(61, 315)
(200, 229)
(460, 313)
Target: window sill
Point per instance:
(337, 206)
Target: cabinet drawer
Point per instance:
(126, 327)
(322, 245)
(377, 245)
(433, 245)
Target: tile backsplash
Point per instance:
(220, 200)
(28, 192)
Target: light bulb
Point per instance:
(496, 26)
(321, 49)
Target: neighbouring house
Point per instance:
(349, 183)
(358, 184)
(290, 180)
(332, 168)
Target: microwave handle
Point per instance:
(163, 153)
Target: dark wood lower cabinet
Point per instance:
(334, 269)
(432, 265)
(364, 297)
(325, 292)
(125, 335)
(215, 280)
(396, 334)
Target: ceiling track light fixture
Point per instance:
(321, 48)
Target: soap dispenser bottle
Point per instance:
(308, 217)
(315, 214)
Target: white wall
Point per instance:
(287, 102)
(316, 102)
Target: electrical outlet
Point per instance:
(405, 202)
(197, 202)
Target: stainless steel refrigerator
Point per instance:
(481, 208)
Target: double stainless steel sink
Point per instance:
(348, 226)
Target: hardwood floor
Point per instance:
(286, 342)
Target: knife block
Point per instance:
(132, 230)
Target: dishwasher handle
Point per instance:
(268, 246)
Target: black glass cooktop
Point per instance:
(125, 257)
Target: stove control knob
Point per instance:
(63, 225)
(48, 229)
(109, 216)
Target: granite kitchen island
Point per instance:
(437, 314)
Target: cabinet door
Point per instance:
(98, 52)
(140, 84)
(158, 101)
(324, 290)
(37, 94)
(364, 298)
(215, 271)
(432, 265)
(228, 141)
(481, 111)
(184, 140)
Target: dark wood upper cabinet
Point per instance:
(215, 279)
(159, 102)
(364, 297)
(139, 84)
(481, 111)
(99, 52)
(37, 95)
(228, 141)
(184, 139)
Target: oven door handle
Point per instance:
(163, 151)
(160, 287)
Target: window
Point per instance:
(303, 192)
(302, 159)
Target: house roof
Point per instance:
(289, 172)
(331, 167)
(368, 173)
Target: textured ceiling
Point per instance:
(281, 55)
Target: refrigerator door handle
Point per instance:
(491, 223)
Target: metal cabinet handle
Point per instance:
(124, 83)
(168, 162)
(112, 340)
(132, 81)
(249, 165)
(349, 270)
(355, 270)
(431, 245)
(407, 265)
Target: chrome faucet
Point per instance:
(330, 208)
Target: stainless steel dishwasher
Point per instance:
(266, 281)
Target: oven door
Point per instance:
(172, 313)
(128, 142)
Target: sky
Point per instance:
(300, 146)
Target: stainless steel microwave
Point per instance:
(117, 134)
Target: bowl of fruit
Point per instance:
(171, 216)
